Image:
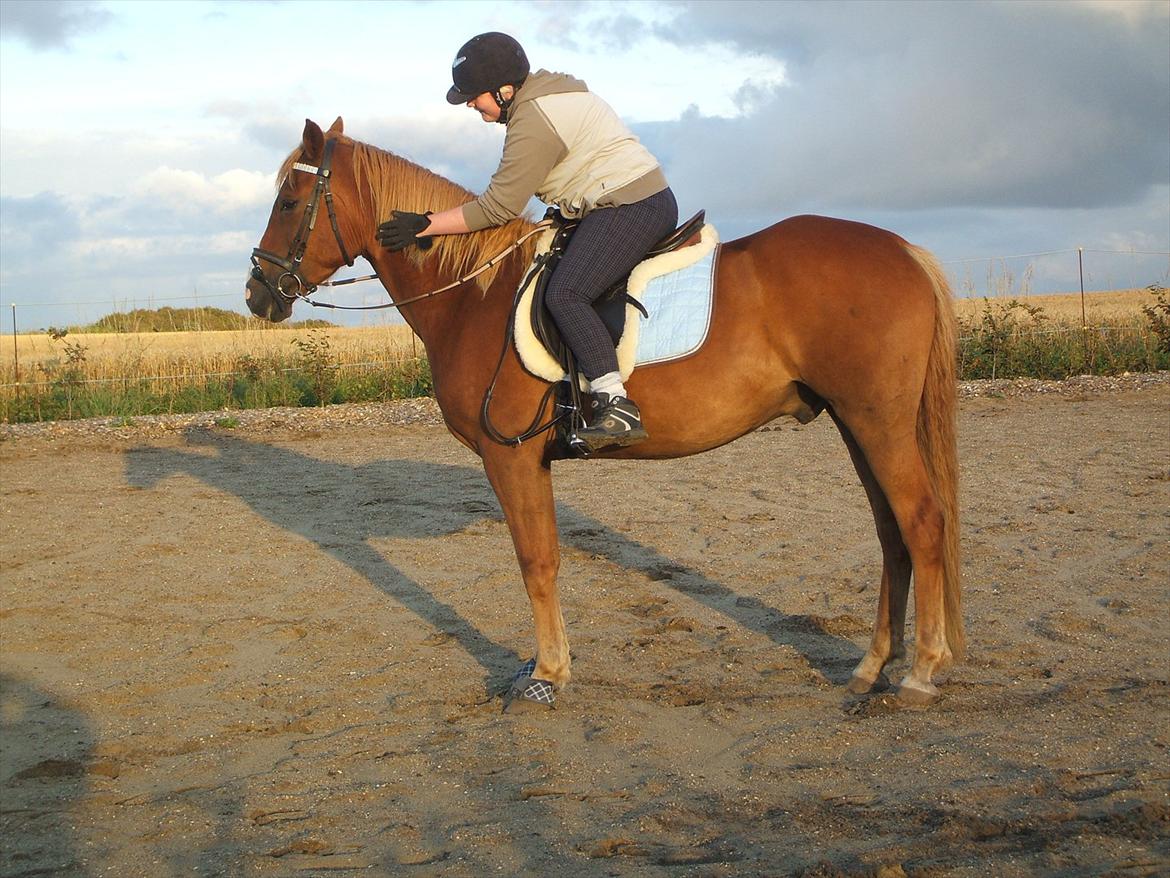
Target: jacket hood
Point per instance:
(542, 82)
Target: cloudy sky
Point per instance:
(139, 140)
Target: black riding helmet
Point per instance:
(487, 62)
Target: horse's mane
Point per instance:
(387, 182)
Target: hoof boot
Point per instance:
(529, 694)
(526, 670)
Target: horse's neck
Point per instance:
(439, 318)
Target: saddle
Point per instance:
(610, 306)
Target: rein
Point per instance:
(303, 289)
(291, 264)
(491, 263)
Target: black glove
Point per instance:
(399, 233)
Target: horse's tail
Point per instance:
(937, 440)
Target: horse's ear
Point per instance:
(313, 141)
(337, 126)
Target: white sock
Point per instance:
(610, 383)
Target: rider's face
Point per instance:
(486, 106)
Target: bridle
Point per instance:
(291, 264)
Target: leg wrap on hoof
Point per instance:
(526, 670)
(529, 692)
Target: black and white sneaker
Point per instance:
(616, 423)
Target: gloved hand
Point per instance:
(399, 233)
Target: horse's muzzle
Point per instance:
(259, 297)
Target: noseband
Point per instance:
(291, 264)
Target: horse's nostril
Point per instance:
(247, 295)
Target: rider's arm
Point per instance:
(531, 149)
(448, 222)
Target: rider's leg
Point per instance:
(606, 246)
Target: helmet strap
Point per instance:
(504, 105)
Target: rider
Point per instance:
(569, 148)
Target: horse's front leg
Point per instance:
(522, 481)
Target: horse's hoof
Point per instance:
(861, 686)
(528, 694)
(914, 694)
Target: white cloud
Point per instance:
(101, 252)
(190, 191)
(969, 127)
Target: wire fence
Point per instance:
(1046, 272)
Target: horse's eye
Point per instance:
(288, 203)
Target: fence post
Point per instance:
(1084, 318)
(15, 356)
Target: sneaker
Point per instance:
(616, 422)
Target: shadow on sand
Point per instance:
(402, 499)
(46, 750)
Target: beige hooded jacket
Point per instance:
(569, 148)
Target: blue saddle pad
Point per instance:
(679, 305)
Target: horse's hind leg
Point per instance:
(523, 484)
(891, 450)
(889, 630)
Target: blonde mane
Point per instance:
(387, 182)
(394, 183)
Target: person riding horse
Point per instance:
(568, 147)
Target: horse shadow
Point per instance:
(404, 499)
(306, 496)
(46, 763)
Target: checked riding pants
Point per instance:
(606, 246)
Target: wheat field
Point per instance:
(154, 353)
(166, 371)
(149, 354)
(1107, 305)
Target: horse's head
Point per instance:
(291, 260)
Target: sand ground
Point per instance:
(278, 652)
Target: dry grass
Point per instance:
(116, 355)
(1109, 305)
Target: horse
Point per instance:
(811, 315)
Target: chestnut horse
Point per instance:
(811, 314)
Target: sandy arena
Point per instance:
(275, 647)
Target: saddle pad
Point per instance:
(678, 302)
(675, 288)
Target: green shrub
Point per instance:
(1013, 340)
